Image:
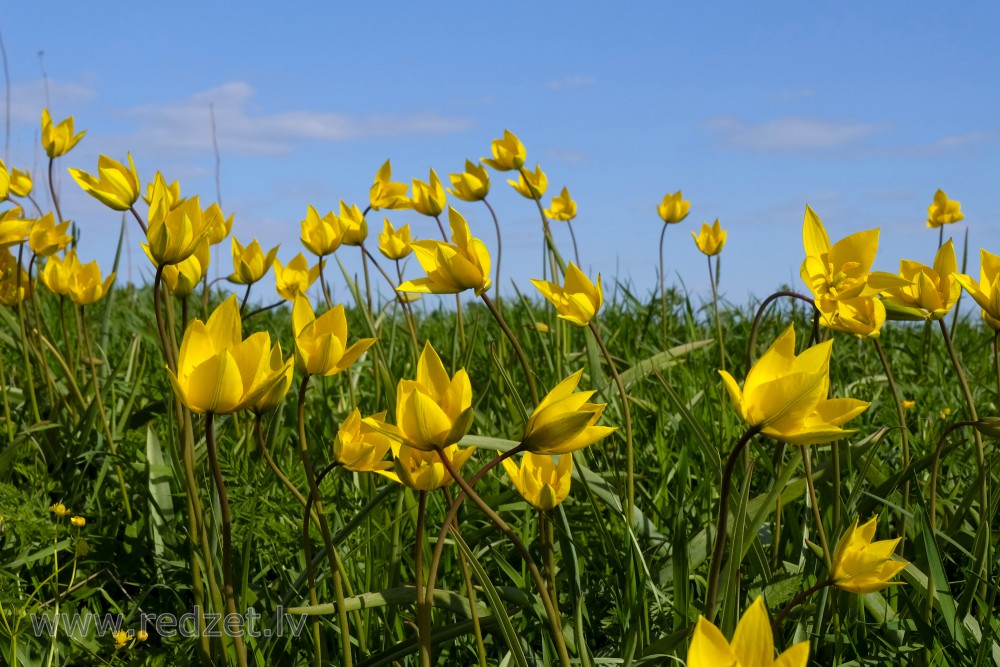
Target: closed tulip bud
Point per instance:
(435, 410)
(58, 139)
(116, 186)
(471, 185)
(423, 470)
(86, 285)
(752, 645)
(564, 421)
(278, 366)
(563, 207)
(428, 198)
(452, 267)
(321, 343)
(295, 278)
(174, 234)
(218, 224)
(508, 153)
(673, 208)
(710, 239)
(353, 226)
(386, 194)
(540, 480)
(393, 243)
(577, 302)
(320, 236)
(59, 273)
(531, 184)
(250, 264)
(862, 316)
(943, 211)
(862, 566)
(360, 446)
(15, 286)
(46, 237)
(13, 228)
(20, 183)
(183, 277)
(931, 291)
(986, 292)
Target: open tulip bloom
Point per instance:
(321, 342)
(752, 645)
(434, 411)
(540, 480)
(986, 292)
(452, 267)
(564, 421)
(116, 185)
(578, 301)
(862, 566)
(932, 291)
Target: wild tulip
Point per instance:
(116, 185)
(171, 192)
(423, 470)
(452, 267)
(59, 272)
(931, 291)
(986, 292)
(563, 207)
(862, 566)
(86, 286)
(4, 181)
(58, 139)
(385, 193)
(20, 182)
(218, 224)
(13, 228)
(250, 264)
(943, 211)
(428, 198)
(473, 184)
(361, 447)
(673, 208)
(353, 226)
(540, 480)
(295, 278)
(578, 301)
(564, 421)
(174, 234)
(434, 411)
(752, 645)
(15, 286)
(394, 243)
(320, 236)
(711, 239)
(531, 184)
(321, 343)
(862, 316)
(508, 153)
(273, 397)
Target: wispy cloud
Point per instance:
(790, 135)
(574, 81)
(28, 97)
(567, 156)
(955, 142)
(244, 129)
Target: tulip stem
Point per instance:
(399, 297)
(161, 327)
(572, 237)
(423, 606)
(138, 219)
(496, 224)
(246, 296)
(550, 610)
(227, 538)
(546, 230)
(752, 344)
(797, 600)
(935, 466)
(663, 286)
(517, 347)
(814, 501)
(263, 309)
(712, 279)
(470, 591)
(262, 441)
(901, 416)
(52, 189)
(322, 283)
(720, 529)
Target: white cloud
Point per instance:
(955, 142)
(574, 81)
(28, 97)
(567, 156)
(789, 135)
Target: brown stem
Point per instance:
(751, 346)
(797, 600)
(517, 346)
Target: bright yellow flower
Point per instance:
(86, 286)
(20, 182)
(218, 371)
(218, 224)
(121, 638)
(508, 153)
(422, 470)
(361, 447)
(786, 395)
(394, 243)
(174, 233)
(932, 291)
(862, 316)
(142, 635)
(862, 566)
(452, 267)
(986, 292)
(4, 181)
(295, 278)
(116, 185)
(673, 208)
(564, 421)
(321, 343)
(473, 184)
(182, 278)
(15, 286)
(434, 411)
(78, 521)
(353, 226)
(59, 509)
(577, 302)
(171, 192)
(46, 237)
(907, 405)
(386, 194)
(428, 198)
(272, 398)
(540, 480)
(13, 229)
(943, 211)
(59, 273)
(563, 207)
(710, 239)
(752, 645)
(320, 236)
(531, 184)
(945, 413)
(59, 139)
(250, 264)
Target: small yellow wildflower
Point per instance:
(908, 404)
(59, 509)
(78, 521)
(945, 413)
(121, 638)
(142, 635)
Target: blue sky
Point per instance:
(861, 110)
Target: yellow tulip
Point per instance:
(218, 224)
(361, 447)
(174, 234)
(861, 316)
(386, 194)
(673, 208)
(59, 273)
(46, 237)
(986, 292)
(171, 192)
(218, 371)
(86, 286)
(4, 181)
(563, 207)
(862, 566)
(752, 645)
(452, 267)
(943, 211)
(531, 184)
(434, 411)
(15, 285)
(59, 139)
(577, 302)
(321, 343)
(423, 470)
(931, 291)
(295, 278)
(428, 198)
(272, 398)
(394, 243)
(13, 229)
(711, 239)
(785, 395)
(564, 421)
(116, 185)
(250, 264)
(320, 236)
(183, 277)
(540, 480)
(508, 153)
(473, 184)
(20, 182)
(353, 226)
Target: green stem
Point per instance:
(496, 224)
(52, 190)
(572, 237)
(663, 286)
(901, 416)
(517, 347)
(470, 590)
(814, 501)
(755, 327)
(712, 278)
(935, 467)
(322, 283)
(423, 605)
(797, 600)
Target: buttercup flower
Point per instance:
(295, 278)
(673, 208)
(508, 153)
(434, 411)
(540, 480)
(320, 236)
(861, 316)
(321, 343)
(20, 182)
(394, 243)
(986, 292)
(428, 198)
(862, 566)
(250, 264)
(116, 185)
(752, 645)
(786, 395)
(15, 285)
(13, 229)
(932, 291)
(353, 226)
(473, 184)
(423, 470)
(386, 194)
(710, 239)
(564, 421)
(58, 139)
(578, 301)
(563, 207)
(361, 447)
(58, 509)
(46, 237)
(78, 521)
(121, 639)
(452, 267)
(943, 211)
(531, 184)
(86, 286)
